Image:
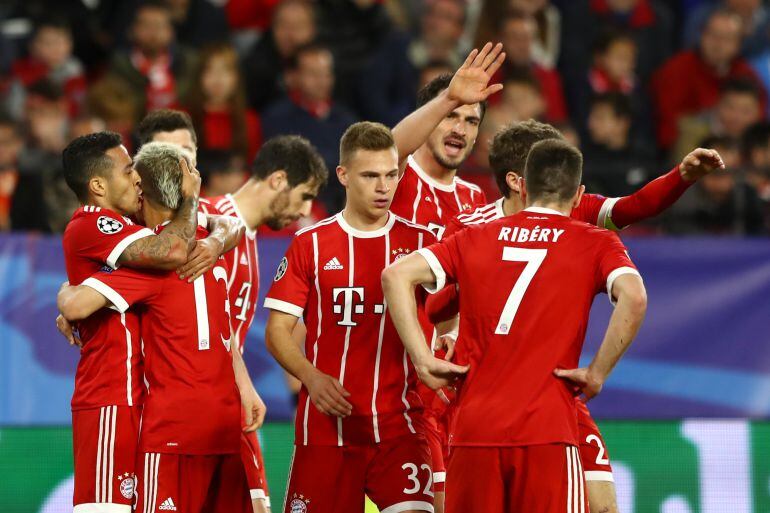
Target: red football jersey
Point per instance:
(243, 280)
(192, 405)
(330, 277)
(526, 289)
(422, 200)
(110, 368)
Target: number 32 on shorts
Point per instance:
(413, 477)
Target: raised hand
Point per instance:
(191, 180)
(470, 83)
(700, 162)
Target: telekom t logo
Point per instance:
(352, 302)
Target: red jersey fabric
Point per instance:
(422, 200)
(330, 277)
(192, 405)
(110, 368)
(243, 279)
(521, 319)
(218, 132)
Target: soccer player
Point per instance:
(508, 153)
(515, 436)
(362, 429)
(109, 391)
(189, 439)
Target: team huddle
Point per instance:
(442, 333)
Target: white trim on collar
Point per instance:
(541, 210)
(379, 232)
(430, 181)
(249, 232)
(499, 208)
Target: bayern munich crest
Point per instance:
(127, 485)
(108, 225)
(298, 504)
(281, 269)
(400, 253)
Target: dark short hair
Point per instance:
(8, 121)
(164, 120)
(609, 37)
(86, 157)
(510, 147)
(311, 47)
(720, 141)
(53, 21)
(47, 89)
(435, 86)
(365, 135)
(742, 86)
(619, 103)
(553, 171)
(295, 156)
(151, 4)
(757, 136)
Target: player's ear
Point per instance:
(277, 180)
(522, 184)
(342, 175)
(97, 186)
(512, 180)
(578, 196)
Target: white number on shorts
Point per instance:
(534, 258)
(600, 459)
(413, 471)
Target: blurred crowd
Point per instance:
(635, 84)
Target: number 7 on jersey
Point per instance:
(534, 258)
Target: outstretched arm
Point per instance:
(224, 234)
(664, 191)
(468, 86)
(624, 324)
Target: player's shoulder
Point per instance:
(483, 214)
(93, 219)
(208, 206)
(404, 224)
(459, 182)
(319, 227)
(222, 204)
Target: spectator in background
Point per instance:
(217, 104)
(517, 32)
(389, 82)
(86, 124)
(294, 25)
(11, 141)
(721, 203)
(738, 108)
(198, 22)
(157, 70)
(223, 172)
(691, 80)
(42, 201)
(433, 70)
(113, 100)
(649, 22)
(615, 164)
(310, 111)
(50, 57)
(756, 157)
(755, 17)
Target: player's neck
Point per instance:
(94, 201)
(253, 201)
(512, 204)
(432, 167)
(564, 208)
(363, 222)
(155, 215)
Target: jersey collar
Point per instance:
(249, 232)
(366, 234)
(499, 208)
(430, 181)
(541, 210)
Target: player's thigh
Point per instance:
(602, 497)
(229, 488)
(435, 439)
(326, 478)
(399, 476)
(174, 482)
(475, 480)
(547, 479)
(104, 448)
(593, 451)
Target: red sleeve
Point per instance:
(293, 280)
(590, 209)
(126, 287)
(613, 261)
(104, 236)
(444, 260)
(443, 305)
(649, 201)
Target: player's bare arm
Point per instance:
(77, 302)
(624, 324)
(169, 249)
(468, 86)
(325, 391)
(225, 233)
(398, 283)
(253, 406)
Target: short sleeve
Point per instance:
(443, 259)
(104, 236)
(613, 262)
(126, 287)
(293, 279)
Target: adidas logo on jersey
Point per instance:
(168, 505)
(333, 264)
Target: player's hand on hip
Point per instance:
(700, 162)
(254, 410)
(68, 331)
(191, 180)
(437, 373)
(328, 395)
(469, 83)
(201, 259)
(583, 380)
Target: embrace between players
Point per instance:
(373, 417)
